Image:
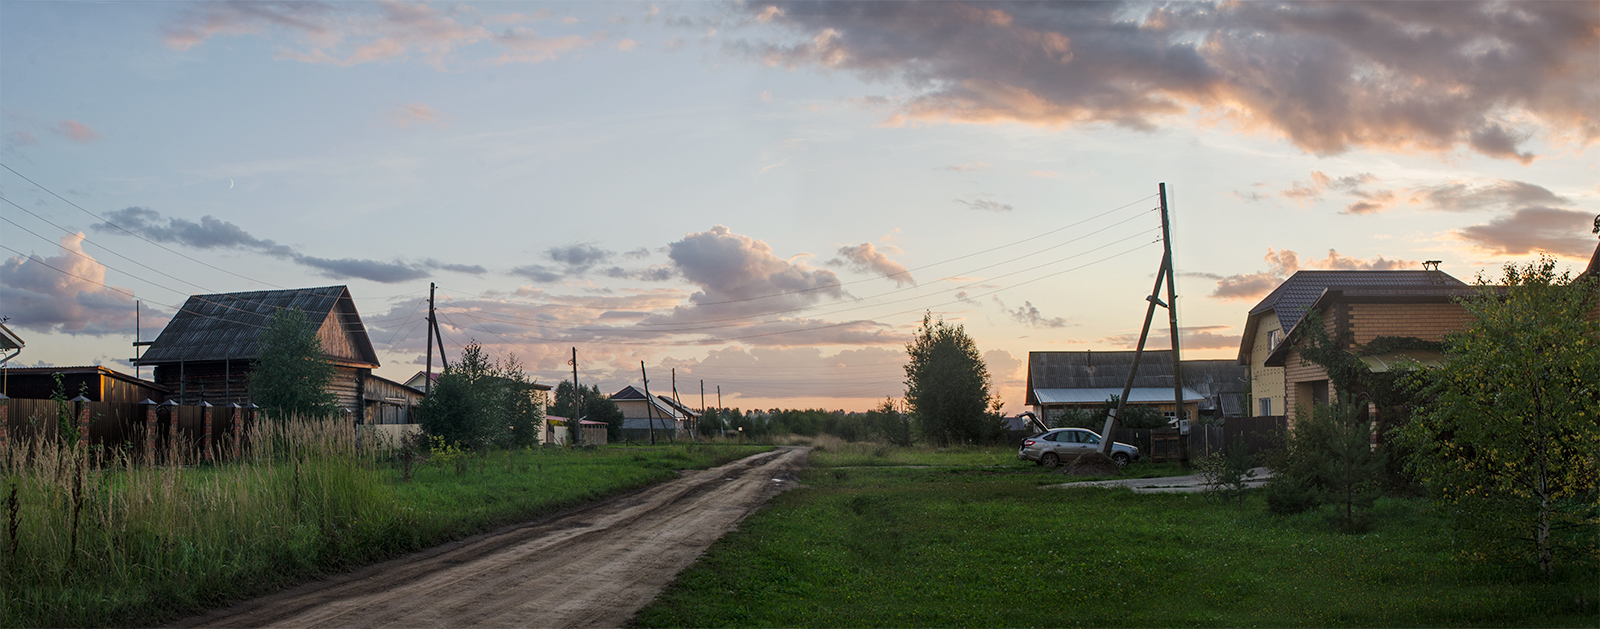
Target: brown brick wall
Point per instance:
(1429, 322)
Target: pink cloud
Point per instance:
(64, 293)
(77, 131)
(415, 113)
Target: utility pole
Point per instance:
(1172, 320)
(686, 421)
(575, 428)
(649, 403)
(427, 378)
(720, 418)
(1165, 273)
(702, 403)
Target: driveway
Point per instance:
(1167, 485)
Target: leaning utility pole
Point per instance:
(1165, 274)
(575, 424)
(427, 378)
(649, 403)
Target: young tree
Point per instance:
(478, 403)
(947, 384)
(596, 408)
(290, 375)
(1509, 441)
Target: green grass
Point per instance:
(158, 543)
(971, 547)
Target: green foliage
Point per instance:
(947, 385)
(597, 407)
(1227, 474)
(1508, 443)
(1136, 417)
(887, 423)
(290, 375)
(477, 404)
(1328, 459)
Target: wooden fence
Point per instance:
(143, 431)
(1254, 434)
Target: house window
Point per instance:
(1272, 339)
(1266, 407)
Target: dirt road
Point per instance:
(594, 567)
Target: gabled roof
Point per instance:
(663, 404)
(228, 326)
(1293, 298)
(9, 340)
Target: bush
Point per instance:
(1328, 458)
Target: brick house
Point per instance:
(1367, 304)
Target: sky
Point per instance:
(768, 197)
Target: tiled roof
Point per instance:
(1295, 295)
(228, 326)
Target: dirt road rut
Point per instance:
(594, 567)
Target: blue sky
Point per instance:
(768, 196)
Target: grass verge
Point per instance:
(116, 542)
(963, 547)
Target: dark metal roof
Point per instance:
(1381, 294)
(1109, 370)
(228, 326)
(1294, 296)
(84, 369)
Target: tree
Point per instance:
(947, 384)
(596, 408)
(1509, 440)
(290, 375)
(477, 403)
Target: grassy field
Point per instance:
(124, 544)
(977, 545)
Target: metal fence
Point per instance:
(1254, 434)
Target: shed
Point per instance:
(98, 384)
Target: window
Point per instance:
(1266, 407)
(1272, 339)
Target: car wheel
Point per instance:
(1121, 459)
(1050, 460)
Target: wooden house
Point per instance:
(206, 350)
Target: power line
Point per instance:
(130, 233)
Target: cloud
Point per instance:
(1327, 76)
(77, 131)
(43, 299)
(1533, 229)
(627, 45)
(1030, 316)
(1044, 174)
(579, 257)
(348, 34)
(1282, 264)
(773, 375)
(975, 165)
(985, 205)
(576, 260)
(728, 266)
(1498, 195)
(1199, 337)
(865, 258)
(214, 233)
(23, 138)
(415, 113)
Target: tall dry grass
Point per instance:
(154, 531)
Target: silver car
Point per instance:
(1065, 444)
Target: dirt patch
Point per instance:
(1093, 464)
(593, 567)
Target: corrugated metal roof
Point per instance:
(1210, 380)
(1137, 395)
(228, 326)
